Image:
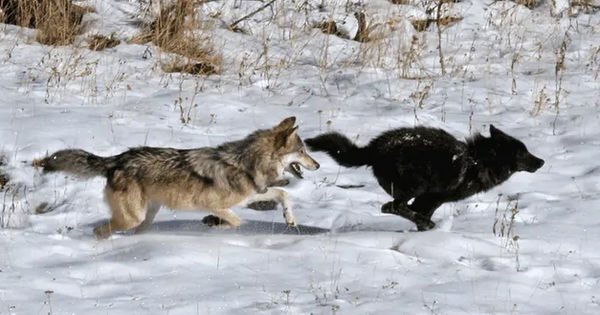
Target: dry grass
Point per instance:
(531, 4)
(504, 227)
(175, 30)
(3, 175)
(3, 180)
(101, 42)
(541, 99)
(586, 6)
(422, 25)
(362, 34)
(416, 2)
(58, 21)
(183, 66)
(585, 3)
(329, 27)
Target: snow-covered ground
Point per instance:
(529, 246)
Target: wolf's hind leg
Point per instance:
(401, 209)
(402, 193)
(426, 204)
(127, 209)
(151, 211)
(281, 197)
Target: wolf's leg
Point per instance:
(151, 211)
(402, 191)
(260, 183)
(222, 218)
(280, 183)
(281, 197)
(426, 204)
(402, 209)
(127, 209)
(266, 205)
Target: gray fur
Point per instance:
(208, 178)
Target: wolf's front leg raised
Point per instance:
(281, 197)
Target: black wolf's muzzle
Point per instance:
(533, 163)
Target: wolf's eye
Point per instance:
(301, 151)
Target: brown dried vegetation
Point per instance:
(58, 22)
(175, 30)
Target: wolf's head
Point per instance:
(289, 148)
(514, 152)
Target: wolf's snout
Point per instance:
(541, 162)
(317, 165)
(535, 164)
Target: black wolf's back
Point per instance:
(389, 146)
(418, 157)
(413, 139)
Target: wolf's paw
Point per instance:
(289, 219)
(102, 232)
(215, 222)
(292, 224)
(424, 226)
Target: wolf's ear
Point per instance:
(495, 132)
(287, 123)
(285, 137)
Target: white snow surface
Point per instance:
(347, 257)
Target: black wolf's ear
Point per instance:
(285, 137)
(286, 123)
(495, 132)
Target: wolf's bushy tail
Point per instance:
(340, 148)
(74, 161)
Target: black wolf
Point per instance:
(430, 165)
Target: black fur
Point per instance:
(430, 165)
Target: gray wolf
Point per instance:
(430, 165)
(142, 179)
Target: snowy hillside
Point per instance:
(529, 246)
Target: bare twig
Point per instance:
(558, 74)
(249, 15)
(439, 32)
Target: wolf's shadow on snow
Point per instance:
(248, 227)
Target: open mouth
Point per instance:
(295, 169)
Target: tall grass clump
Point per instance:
(57, 22)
